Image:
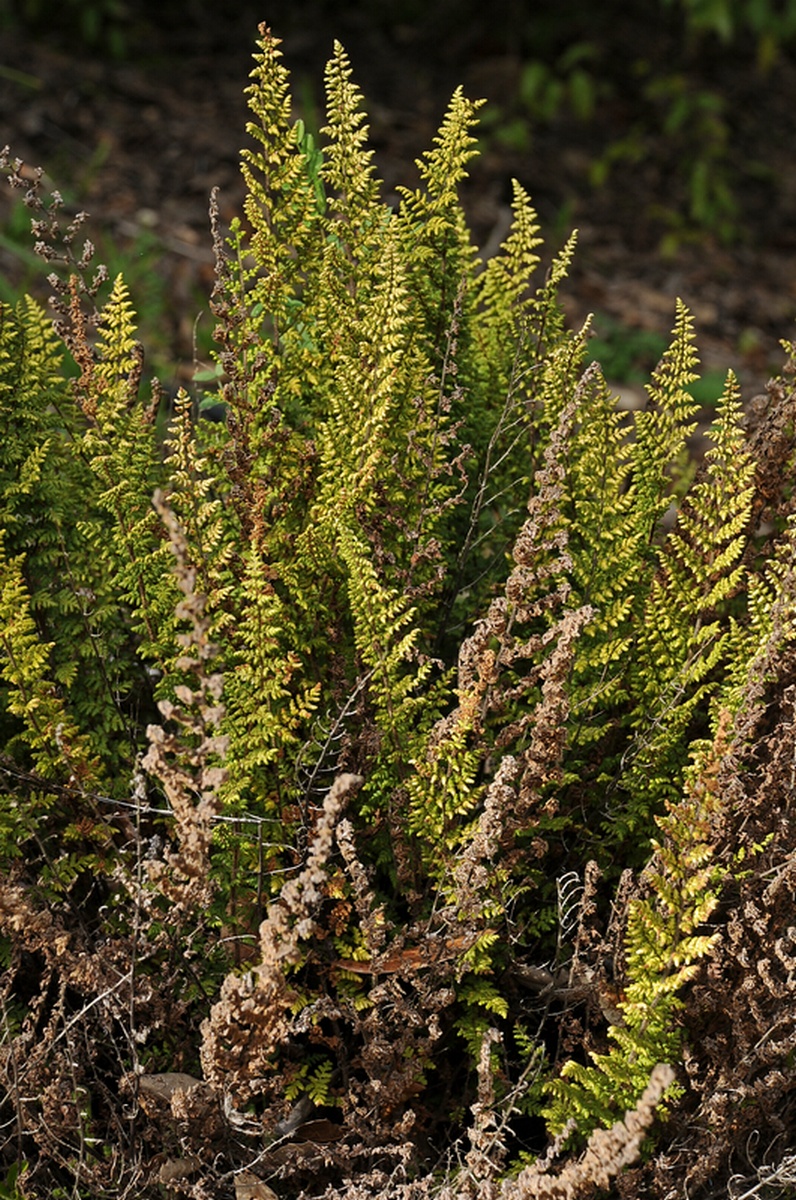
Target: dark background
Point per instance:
(665, 132)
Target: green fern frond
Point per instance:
(443, 168)
(504, 285)
(686, 632)
(348, 168)
(384, 631)
(663, 951)
(707, 544)
(281, 201)
(46, 727)
(433, 231)
(368, 396)
(268, 706)
(662, 428)
(50, 516)
(505, 305)
(483, 994)
(442, 792)
(607, 550)
(319, 1082)
(478, 959)
(116, 354)
(209, 525)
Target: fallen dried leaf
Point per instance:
(177, 1168)
(320, 1131)
(411, 958)
(164, 1085)
(249, 1187)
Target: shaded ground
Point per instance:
(140, 144)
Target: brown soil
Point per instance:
(141, 143)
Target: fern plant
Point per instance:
(424, 645)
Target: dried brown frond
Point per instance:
(187, 763)
(741, 1010)
(251, 1020)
